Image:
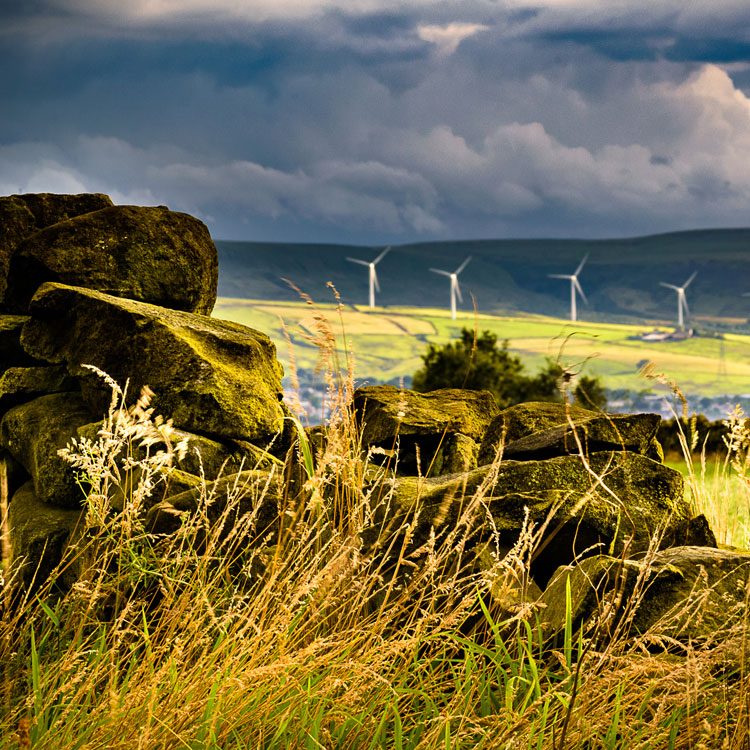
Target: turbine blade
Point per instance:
(375, 280)
(581, 264)
(382, 255)
(458, 291)
(687, 283)
(669, 286)
(559, 276)
(357, 260)
(462, 266)
(442, 273)
(580, 290)
(685, 305)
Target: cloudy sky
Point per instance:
(386, 121)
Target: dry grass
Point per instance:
(297, 635)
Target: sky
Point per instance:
(383, 121)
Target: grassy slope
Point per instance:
(389, 342)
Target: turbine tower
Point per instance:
(575, 287)
(455, 288)
(373, 273)
(682, 306)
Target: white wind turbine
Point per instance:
(373, 273)
(575, 287)
(682, 306)
(455, 288)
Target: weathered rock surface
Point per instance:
(437, 431)
(149, 254)
(20, 384)
(39, 534)
(23, 215)
(257, 494)
(33, 433)
(635, 499)
(11, 351)
(684, 592)
(538, 430)
(212, 377)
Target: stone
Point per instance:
(39, 535)
(212, 377)
(21, 384)
(23, 215)
(149, 254)
(542, 429)
(11, 351)
(254, 495)
(689, 593)
(33, 432)
(635, 499)
(630, 432)
(437, 431)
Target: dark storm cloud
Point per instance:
(363, 121)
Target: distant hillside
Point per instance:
(621, 278)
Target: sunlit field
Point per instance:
(388, 343)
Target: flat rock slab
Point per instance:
(616, 502)
(23, 215)
(149, 254)
(689, 593)
(212, 377)
(33, 433)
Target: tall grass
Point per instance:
(323, 627)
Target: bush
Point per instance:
(480, 363)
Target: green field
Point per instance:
(388, 343)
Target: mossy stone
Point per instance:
(12, 353)
(630, 432)
(23, 215)
(150, 254)
(253, 494)
(39, 535)
(211, 377)
(688, 593)
(33, 432)
(20, 384)
(425, 426)
(635, 499)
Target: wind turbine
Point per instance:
(373, 273)
(455, 288)
(682, 305)
(574, 287)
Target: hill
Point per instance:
(621, 277)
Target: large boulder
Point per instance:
(33, 432)
(612, 502)
(39, 534)
(22, 215)
(537, 430)
(437, 432)
(149, 254)
(691, 593)
(212, 377)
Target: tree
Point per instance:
(480, 363)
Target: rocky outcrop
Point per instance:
(148, 254)
(23, 215)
